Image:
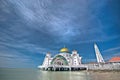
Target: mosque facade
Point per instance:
(63, 58)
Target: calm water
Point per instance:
(35, 74)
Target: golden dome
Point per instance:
(64, 50)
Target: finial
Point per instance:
(95, 43)
(64, 46)
(48, 52)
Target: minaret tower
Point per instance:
(47, 60)
(98, 54)
(76, 60)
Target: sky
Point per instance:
(31, 28)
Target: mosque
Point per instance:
(66, 61)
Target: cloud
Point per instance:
(111, 52)
(13, 58)
(63, 21)
(112, 49)
(26, 46)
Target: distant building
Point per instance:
(115, 59)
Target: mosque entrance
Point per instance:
(59, 60)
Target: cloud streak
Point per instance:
(112, 49)
(62, 21)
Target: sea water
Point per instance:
(36, 74)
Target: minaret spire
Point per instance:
(98, 54)
(64, 46)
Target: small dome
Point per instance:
(64, 50)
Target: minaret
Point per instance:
(98, 54)
(76, 60)
(47, 60)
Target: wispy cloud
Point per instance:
(111, 52)
(63, 22)
(13, 58)
(112, 49)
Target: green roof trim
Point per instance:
(60, 57)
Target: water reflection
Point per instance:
(44, 75)
(81, 75)
(35, 74)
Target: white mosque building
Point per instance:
(66, 61)
(63, 59)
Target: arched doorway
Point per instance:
(59, 60)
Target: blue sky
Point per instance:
(30, 28)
